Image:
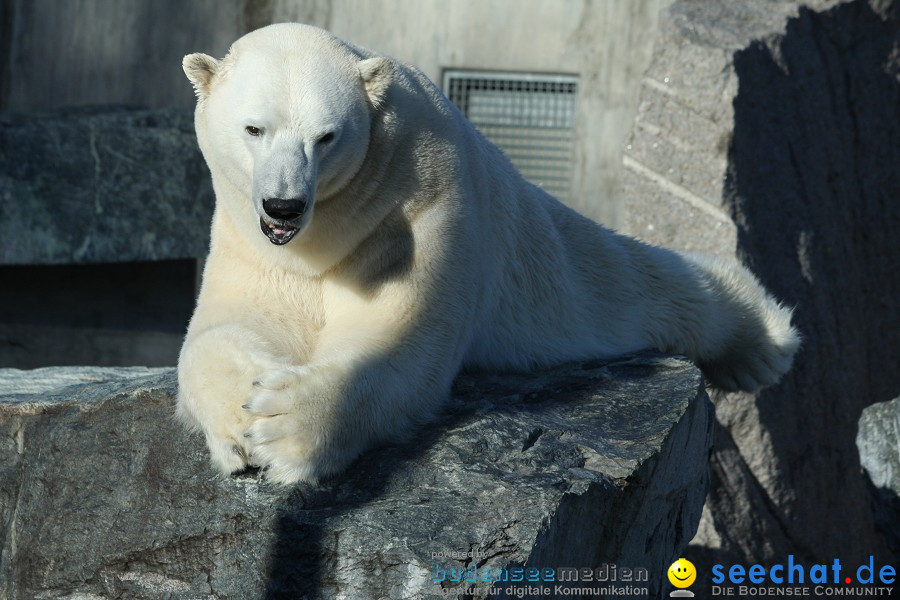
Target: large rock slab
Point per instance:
(27, 385)
(104, 495)
(768, 129)
(102, 185)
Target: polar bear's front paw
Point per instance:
(296, 431)
(228, 456)
(228, 449)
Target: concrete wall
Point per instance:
(62, 53)
(82, 52)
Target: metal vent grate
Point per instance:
(530, 117)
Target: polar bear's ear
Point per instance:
(200, 69)
(377, 74)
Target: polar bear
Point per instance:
(368, 243)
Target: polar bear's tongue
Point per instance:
(277, 234)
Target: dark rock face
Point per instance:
(879, 453)
(814, 189)
(786, 115)
(102, 185)
(103, 215)
(104, 495)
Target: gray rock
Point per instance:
(104, 495)
(879, 454)
(769, 129)
(102, 185)
(676, 159)
(19, 385)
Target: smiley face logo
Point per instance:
(682, 573)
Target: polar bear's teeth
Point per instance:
(277, 234)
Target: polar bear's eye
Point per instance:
(325, 138)
(254, 131)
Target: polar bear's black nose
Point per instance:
(284, 209)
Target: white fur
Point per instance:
(422, 251)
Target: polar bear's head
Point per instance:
(284, 120)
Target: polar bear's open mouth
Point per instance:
(278, 234)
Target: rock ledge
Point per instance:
(104, 495)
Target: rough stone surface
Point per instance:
(103, 495)
(676, 158)
(770, 129)
(879, 454)
(21, 385)
(102, 185)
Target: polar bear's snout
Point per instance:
(284, 209)
(284, 185)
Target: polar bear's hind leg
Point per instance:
(750, 342)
